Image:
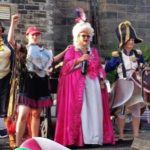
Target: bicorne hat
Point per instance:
(125, 31)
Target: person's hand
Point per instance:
(15, 18)
(84, 57)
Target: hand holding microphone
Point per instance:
(85, 63)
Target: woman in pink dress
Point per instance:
(80, 106)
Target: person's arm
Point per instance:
(11, 39)
(59, 56)
(141, 59)
(112, 64)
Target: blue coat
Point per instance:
(116, 60)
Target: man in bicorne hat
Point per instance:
(126, 62)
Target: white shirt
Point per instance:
(129, 64)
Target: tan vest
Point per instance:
(129, 65)
(5, 53)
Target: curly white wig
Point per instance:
(80, 27)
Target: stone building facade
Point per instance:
(56, 19)
(113, 12)
(32, 12)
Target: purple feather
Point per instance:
(80, 15)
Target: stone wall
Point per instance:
(108, 14)
(56, 19)
(34, 12)
(112, 12)
(64, 16)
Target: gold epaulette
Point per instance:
(139, 52)
(115, 54)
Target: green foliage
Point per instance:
(111, 76)
(145, 47)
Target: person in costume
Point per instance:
(3, 95)
(126, 61)
(33, 94)
(6, 73)
(6, 60)
(79, 98)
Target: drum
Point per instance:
(122, 91)
(142, 79)
(124, 94)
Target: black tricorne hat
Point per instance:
(125, 31)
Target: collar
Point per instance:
(32, 44)
(128, 53)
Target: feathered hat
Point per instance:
(81, 25)
(125, 31)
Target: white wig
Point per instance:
(80, 27)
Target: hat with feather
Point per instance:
(81, 25)
(125, 31)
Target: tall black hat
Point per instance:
(125, 31)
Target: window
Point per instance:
(5, 12)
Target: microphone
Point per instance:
(84, 66)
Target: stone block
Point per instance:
(31, 7)
(19, 1)
(147, 2)
(141, 143)
(22, 11)
(60, 34)
(122, 16)
(112, 1)
(59, 46)
(40, 15)
(140, 3)
(39, 1)
(21, 6)
(21, 26)
(108, 15)
(60, 21)
(121, 1)
(68, 4)
(131, 8)
(116, 8)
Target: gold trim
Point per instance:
(127, 36)
(120, 33)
